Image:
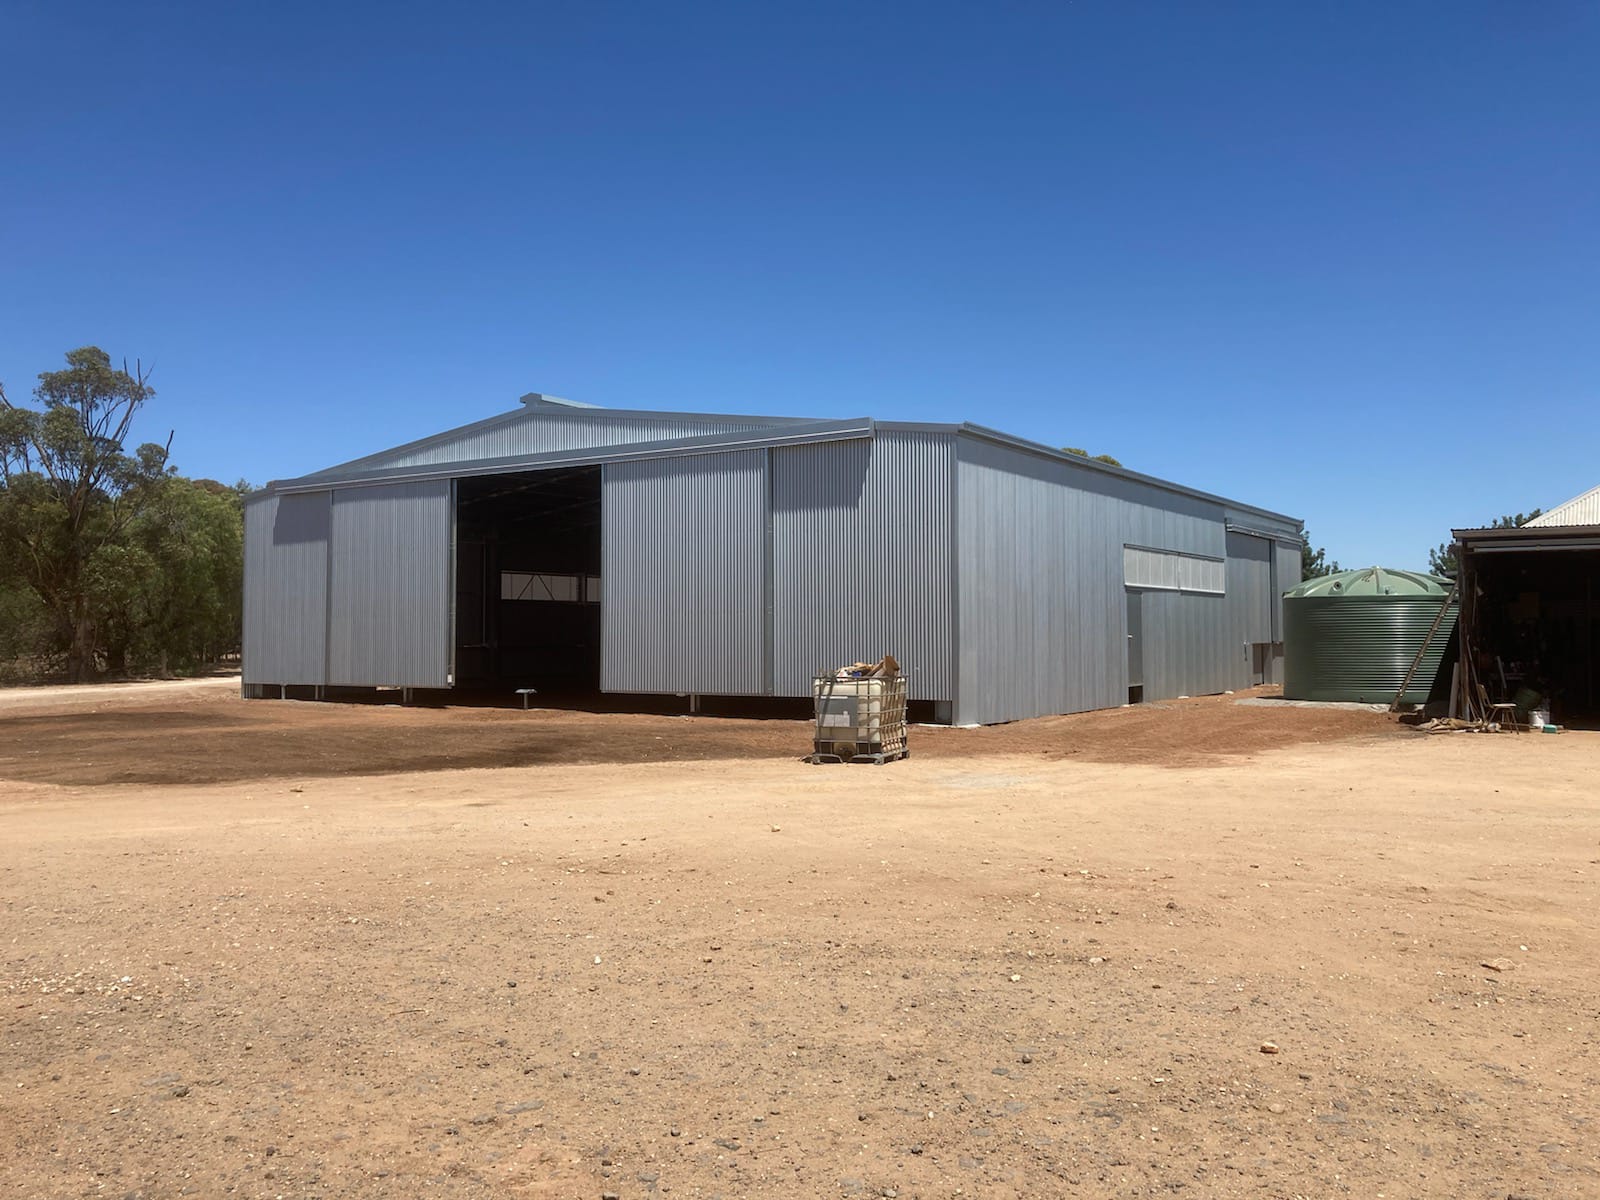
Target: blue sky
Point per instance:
(1342, 260)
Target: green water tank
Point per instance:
(1353, 636)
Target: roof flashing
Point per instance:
(1092, 464)
(763, 430)
(540, 400)
(788, 434)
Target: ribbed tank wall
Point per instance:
(1359, 648)
(862, 545)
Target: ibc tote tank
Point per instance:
(1353, 635)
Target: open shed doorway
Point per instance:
(528, 583)
(1535, 626)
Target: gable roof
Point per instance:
(1580, 510)
(547, 432)
(543, 425)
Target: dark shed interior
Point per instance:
(528, 581)
(1532, 617)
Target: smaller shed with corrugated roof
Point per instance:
(1530, 609)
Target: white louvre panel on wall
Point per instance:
(1170, 571)
(862, 544)
(286, 589)
(1202, 575)
(1147, 569)
(389, 607)
(684, 575)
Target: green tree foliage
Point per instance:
(1105, 458)
(169, 594)
(1314, 563)
(24, 628)
(109, 559)
(1442, 558)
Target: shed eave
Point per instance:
(771, 431)
(1529, 537)
(533, 413)
(1040, 449)
(798, 433)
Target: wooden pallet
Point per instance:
(876, 759)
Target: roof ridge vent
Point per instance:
(540, 400)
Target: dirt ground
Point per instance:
(294, 950)
(198, 732)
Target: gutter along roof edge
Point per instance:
(1530, 537)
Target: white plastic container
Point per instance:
(860, 717)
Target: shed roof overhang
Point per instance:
(1527, 538)
(781, 431)
(798, 433)
(1233, 507)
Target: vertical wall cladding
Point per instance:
(862, 542)
(1288, 576)
(1250, 587)
(1189, 646)
(389, 603)
(1042, 602)
(1250, 602)
(684, 575)
(1040, 596)
(286, 589)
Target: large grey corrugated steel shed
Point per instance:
(739, 555)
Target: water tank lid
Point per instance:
(1372, 581)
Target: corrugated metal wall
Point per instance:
(1250, 604)
(390, 586)
(995, 575)
(1042, 600)
(542, 432)
(286, 589)
(862, 535)
(1189, 647)
(1289, 567)
(1287, 558)
(684, 575)
(1042, 616)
